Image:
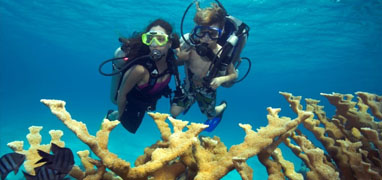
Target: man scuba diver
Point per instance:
(142, 70)
(209, 54)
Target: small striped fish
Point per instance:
(62, 159)
(57, 165)
(45, 173)
(10, 162)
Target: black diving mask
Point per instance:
(213, 33)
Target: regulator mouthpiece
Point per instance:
(155, 55)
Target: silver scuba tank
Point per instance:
(238, 44)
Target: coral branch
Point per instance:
(34, 139)
(254, 142)
(287, 166)
(97, 144)
(178, 142)
(373, 101)
(242, 167)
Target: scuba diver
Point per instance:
(142, 70)
(211, 55)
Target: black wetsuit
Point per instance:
(139, 100)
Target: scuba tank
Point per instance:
(117, 78)
(232, 48)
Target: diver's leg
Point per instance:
(181, 104)
(206, 99)
(132, 117)
(220, 108)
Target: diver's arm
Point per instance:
(183, 56)
(231, 75)
(130, 79)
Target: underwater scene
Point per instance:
(308, 106)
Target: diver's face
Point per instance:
(207, 35)
(154, 45)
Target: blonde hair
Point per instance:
(209, 15)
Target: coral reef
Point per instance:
(352, 141)
(34, 138)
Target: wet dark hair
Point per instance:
(162, 23)
(134, 47)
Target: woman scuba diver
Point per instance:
(142, 70)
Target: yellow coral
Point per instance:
(287, 166)
(34, 138)
(179, 142)
(352, 139)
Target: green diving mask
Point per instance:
(160, 38)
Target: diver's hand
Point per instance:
(183, 55)
(216, 82)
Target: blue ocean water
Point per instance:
(52, 49)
